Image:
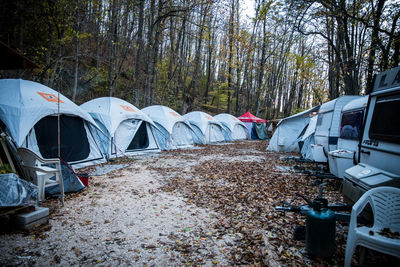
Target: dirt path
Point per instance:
(122, 219)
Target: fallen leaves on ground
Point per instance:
(240, 184)
(245, 195)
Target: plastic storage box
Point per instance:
(363, 177)
(339, 161)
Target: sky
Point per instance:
(248, 8)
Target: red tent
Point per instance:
(248, 117)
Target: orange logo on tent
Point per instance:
(209, 118)
(234, 119)
(174, 114)
(127, 108)
(50, 97)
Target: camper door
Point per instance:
(322, 129)
(350, 130)
(380, 146)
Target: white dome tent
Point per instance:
(307, 139)
(207, 129)
(173, 131)
(29, 111)
(128, 130)
(233, 129)
(290, 130)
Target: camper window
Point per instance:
(350, 127)
(385, 124)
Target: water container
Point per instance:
(320, 230)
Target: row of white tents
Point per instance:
(330, 132)
(36, 116)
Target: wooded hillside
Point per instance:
(205, 54)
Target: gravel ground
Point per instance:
(208, 206)
(123, 218)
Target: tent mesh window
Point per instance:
(141, 139)
(385, 123)
(74, 142)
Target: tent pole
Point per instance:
(58, 125)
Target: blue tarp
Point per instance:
(70, 180)
(16, 192)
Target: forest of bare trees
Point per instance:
(205, 54)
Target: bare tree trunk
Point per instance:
(230, 55)
(113, 39)
(98, 26)
(172, 58)
(345, 51)
(139, 55)
(301, 87)
(76, 58)
(394, 37)
(197, 71)
(262, 65)
(76, 69)
(178, 53)
(396, 51)
(333, 74)
(149, 50)
(155, 53)
(210, 47)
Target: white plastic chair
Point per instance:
(385, 204)
(37, 169)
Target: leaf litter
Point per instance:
(208, 206)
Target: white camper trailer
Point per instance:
(346, 154)
(380, 146)
(327, 130)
